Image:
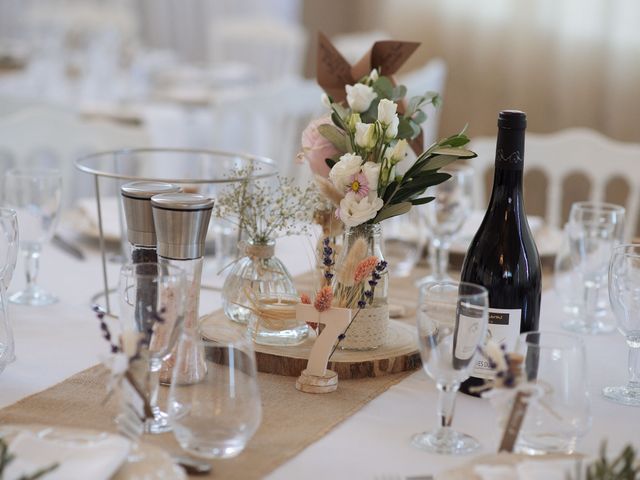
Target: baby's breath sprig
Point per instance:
(266, 210)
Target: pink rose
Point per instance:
(316, 148)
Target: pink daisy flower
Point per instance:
(359, 185)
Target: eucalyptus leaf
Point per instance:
(398, 92)
(383, 87)
(405, 130)
(392, 211)
(419, 116)
(336, 136)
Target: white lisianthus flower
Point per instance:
(392, 129)
(355, 211)
(360, 96)
(398, 152)
(386, 111)
(354, 119)
(366, 135)
(324, 98)
(371, 170)
(373, 76)
(341, 173)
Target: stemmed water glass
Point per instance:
(404, 241)
(35, 194)
(624, 295)
(152, 302)
(8, 256)
(594, 230)
(452, 321)
(446, 215)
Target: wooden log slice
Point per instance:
(398, 354)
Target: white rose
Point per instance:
(373, 76)
(371, 170)
(386, 111)
(360, 96)
(366, 135)
(354, 211)
(398, 152)
(348, 165)
(392, 129)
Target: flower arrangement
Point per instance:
(360, 151)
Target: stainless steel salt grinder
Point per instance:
(136, 199)
(182, 221)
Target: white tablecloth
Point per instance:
(55, 342)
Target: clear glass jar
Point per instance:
(368, 330)
(260, 293)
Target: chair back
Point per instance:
(568, 166)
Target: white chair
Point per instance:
(48, 136)
(430, 77)
(273, 48)
(562, 155)
(269, 122)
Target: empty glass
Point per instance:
(594, 229)
(8, 256)
(152, 301)
(404, 238)
(216, 417)
(624, 294)
(446, 215)
(452, 321)
(35, 194)
(559, 413)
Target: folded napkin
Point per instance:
(527, 470)
(78, 460)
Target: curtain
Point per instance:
(565, 62)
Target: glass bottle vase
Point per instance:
(368, 329)
(260, 293)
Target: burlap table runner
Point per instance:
(291, 420)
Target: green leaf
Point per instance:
(457, 140)
(458, 152)
(422, 201)
(419, 101)
(336, 136)
(436, 163)
(330, 162)
(398, 92)
(392, 211)
(371, 114)
(419, 116)
(383, 87)
(338, 121)
(389, 191)
(404, 128)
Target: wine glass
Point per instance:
(624, 295)
(216, 416)
(594, 229)
(35, 194)
(152, 301)
(8, 256)
(559, 412)
(445, 216)
(404, 240)
(452, 321)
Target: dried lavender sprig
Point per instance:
(106, 333)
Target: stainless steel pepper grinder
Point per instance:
(181, 222)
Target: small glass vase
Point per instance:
(260, 293)
(368, 330)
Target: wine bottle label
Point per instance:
(467, 332)
(503, 328)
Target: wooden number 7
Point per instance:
(336, 321)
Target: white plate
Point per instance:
(146, 462)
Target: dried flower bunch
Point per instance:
(356, 279)
(264, 210)
(359, 151)
(507, 367)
